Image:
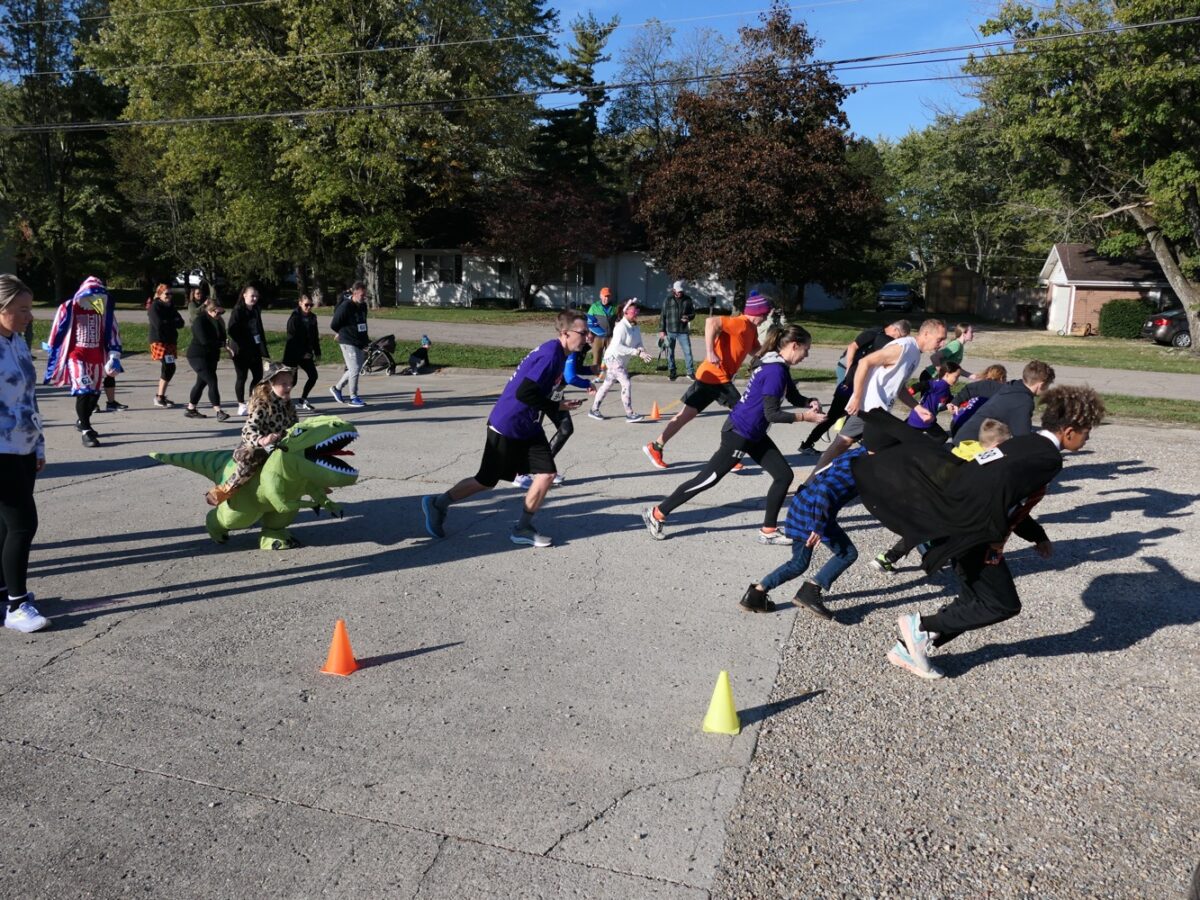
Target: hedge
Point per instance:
(1123, 318)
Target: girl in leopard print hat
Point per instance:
(269, 417)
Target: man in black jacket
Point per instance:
(1012, 404)
(966, 512)
(350, 324)
(677, 314)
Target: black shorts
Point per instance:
(505, 458)
(700, 395)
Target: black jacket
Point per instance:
(208, 339)
(350, 323)
(245, 324)
(1012, 405)
(302, 338)
(924, 493)
(165, 322)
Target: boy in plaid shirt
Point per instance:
(812, 519)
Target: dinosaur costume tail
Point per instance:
(209, 463)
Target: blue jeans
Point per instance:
(844, 555)
(686, 343)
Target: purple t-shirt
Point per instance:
(934, 398)
(511, 417)
(747, 417)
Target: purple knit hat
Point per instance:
(757, 305)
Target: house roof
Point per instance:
(1082, 264)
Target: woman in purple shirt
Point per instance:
(745, 433)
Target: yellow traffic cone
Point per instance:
(722, 715)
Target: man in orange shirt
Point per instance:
(728, 340)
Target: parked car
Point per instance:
(195, 278)
(1169, 327)
(896, 295)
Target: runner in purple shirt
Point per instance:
(516, 443)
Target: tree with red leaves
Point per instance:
(761, 185)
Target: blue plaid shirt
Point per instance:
(817, 504)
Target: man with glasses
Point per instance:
(516, 443)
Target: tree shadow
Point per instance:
(1127, 608)
(766, 710)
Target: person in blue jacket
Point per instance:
(745, 433)
(573, 372)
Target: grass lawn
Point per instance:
(1138, 356)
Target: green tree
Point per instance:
(1110, 119)
(761, 186)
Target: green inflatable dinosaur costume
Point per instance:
(304, 466)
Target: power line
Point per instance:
(227, 118)
(403, 48)
(140, 15)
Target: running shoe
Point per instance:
(242, 409)
(916, 643)
(634, 417)
(899, 656)
(882, 564)
(529, 536)
(25, 618)
(356, 401)
(114, 406)
(90, 438)
(523, 482)
(806, 450)
(654, 454)
(190, 413)
(558, 479)
(774, 537)
(304, 405)
(337, 395)
(163, 403)
(595, 414)
(435, 516)
(222, 416)
(737, 467)
(653, 525)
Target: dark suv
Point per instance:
(896, 295)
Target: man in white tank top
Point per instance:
(881, 379)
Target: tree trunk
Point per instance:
(318, 293)
(1187, 291)
(368, 264)
(301, 277)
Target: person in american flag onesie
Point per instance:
(85, 351)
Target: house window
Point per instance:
(439, 268)
(587, 274)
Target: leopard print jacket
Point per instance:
(270, 416)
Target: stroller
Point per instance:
(379, 356)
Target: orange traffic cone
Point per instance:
(418, 400)
(340, 660)
(655, 415)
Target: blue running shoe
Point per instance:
(435, 517)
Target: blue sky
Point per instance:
(846, 28)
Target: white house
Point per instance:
(441, 277)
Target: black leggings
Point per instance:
(837, 408)
(85, 405)
(167, 371)
(310, 369)
(561, 418)
(244, 365)
(206, 374)
(18, 519)
(733, 448)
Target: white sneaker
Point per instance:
(25, 618)
(529, 536)
(558, 479)
(595, 414)
(523, 482)
(242, 409)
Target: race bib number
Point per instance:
(85, 380)
(362, 327)
(989, 456)
(168, 359)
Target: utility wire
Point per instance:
(543, 92)
(139, 15)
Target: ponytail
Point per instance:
(779, 336)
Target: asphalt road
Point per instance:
(527, 722)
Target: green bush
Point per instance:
(1123, 318)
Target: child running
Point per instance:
(745, 433)
(935, 395)
(812, 519)
(969, 519)
(269, 415)
(626, 343)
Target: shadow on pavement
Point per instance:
(383, 659)
(766, 710)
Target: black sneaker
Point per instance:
(79, 426)
(114, 406)
(193, 414)
(90, 438)
(222, 416)
(671, 376)
(756, 600)
(809, 597)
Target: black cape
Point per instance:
(919, 490)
